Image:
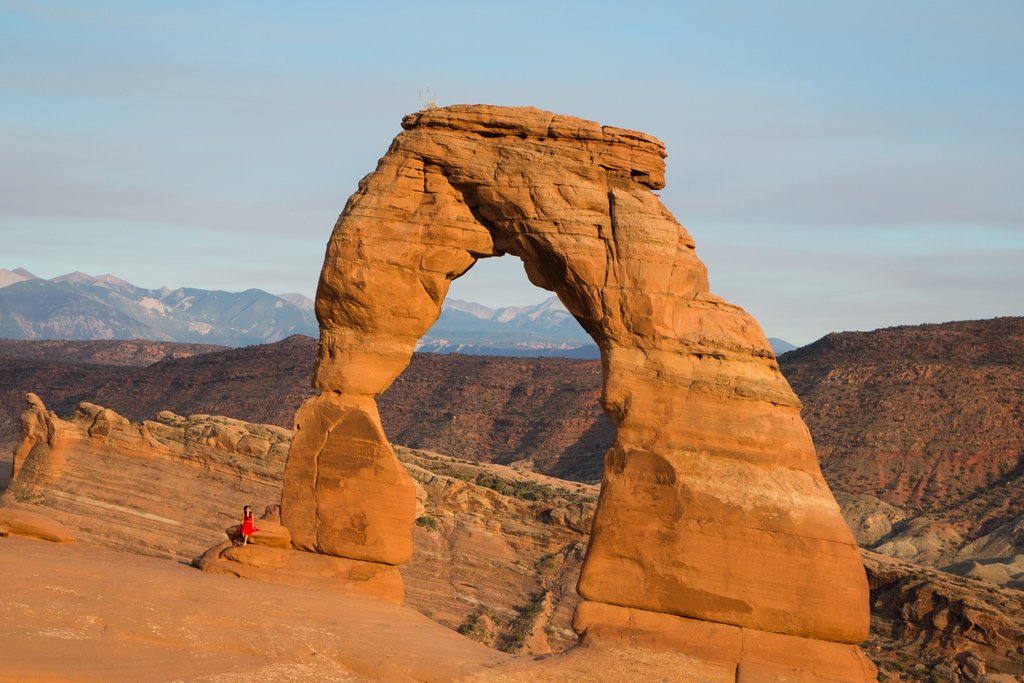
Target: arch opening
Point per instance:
(525, 507)
(527, 401)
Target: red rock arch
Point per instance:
(712, 506)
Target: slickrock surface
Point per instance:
(89, 614)
(497, 552)
(101, 616)
(31, 524)
(265, 561)
(712, 504)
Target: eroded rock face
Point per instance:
(40, 429)
(163, 487)
(345, 493)
(712, 505)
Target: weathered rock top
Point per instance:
(639, 154)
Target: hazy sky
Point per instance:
(841, 165)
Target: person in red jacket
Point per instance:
(248, 528)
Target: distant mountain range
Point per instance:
(79, 306)
(545, 329)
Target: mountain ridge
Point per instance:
(79, 306)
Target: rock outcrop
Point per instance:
(162, 487)
(713, 510)
(497, 550)
(488, 538)
(33, 525)
(269, 557)
(40, 429)
(933, 624)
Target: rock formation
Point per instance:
(497, 550)
(33, 525)
(714, 522)
(164, 487)
(269, 557)
(929, 620)
(488, 538)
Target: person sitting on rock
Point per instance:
(248, 528)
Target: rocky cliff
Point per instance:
(923, 417)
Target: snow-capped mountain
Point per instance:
(82, 306)
(544, 329)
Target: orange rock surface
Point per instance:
(497, 554)
(163, 487)
(712, 503)
(312, 570)
(33, 525)
(345, 493)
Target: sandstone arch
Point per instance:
(712, 509)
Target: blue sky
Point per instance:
(840, 165)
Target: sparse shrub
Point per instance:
(427, 522)
(31, 497)
(480, 627)
(525, 490)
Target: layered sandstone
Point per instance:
(163, 487)
(712, 504)
(496, 555)
(497, 550)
